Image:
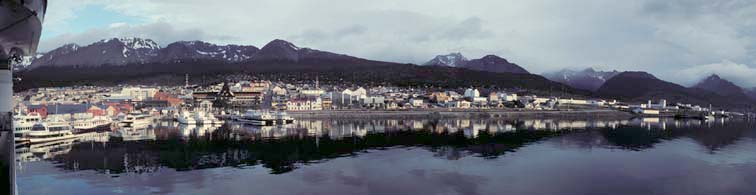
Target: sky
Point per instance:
(681, 41)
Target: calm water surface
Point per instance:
(639, 156)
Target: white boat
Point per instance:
(283, 118)
(94, 123)
(258, 118)
(207, 118)
(135, 134)
(51, 131)
(136, 120)
(200, 117)
(186, 118)
(22, 124)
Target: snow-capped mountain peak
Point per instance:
(196, 50)
(451, 60)
(133, 42)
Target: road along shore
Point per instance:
(420, 114)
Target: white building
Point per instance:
(347, 96)
(453, 95)
(343, 97)
(494, 98)
(416, 102)
(480, 100)
(374, 100)
(138, 93)
(360, 93)
(459, 104)
(574, 101)
(308, 103)
(278, 91)
(507, 97)
(661, 105)
(311, 92)
(472, 93)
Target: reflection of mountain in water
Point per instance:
(284, 148)
(711, 135)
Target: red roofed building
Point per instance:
(115, 108)
(96, 111)
(41, 109)
(172, 100)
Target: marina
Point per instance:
(32, 129)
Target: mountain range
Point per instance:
(721, 87)
(642, 86)
(490, 63)
(198, 50)
(124, 51)
(116, 51)
(127, 59)
(588, 79)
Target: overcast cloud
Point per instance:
(677, 40)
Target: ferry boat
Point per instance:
(258, 118)
(22, 124)
(94, 123)
(186, 118)
(50, 131)
(136, 120)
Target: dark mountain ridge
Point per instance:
(751, 93)
(489, 63)
(642, 86)
(721, 87)
(278, 58)
(587, 79)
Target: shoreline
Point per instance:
(425, 114)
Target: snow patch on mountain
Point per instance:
(451, 60)
(588, 79)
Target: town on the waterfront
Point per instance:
(53, 114)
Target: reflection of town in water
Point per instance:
(286, 147)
